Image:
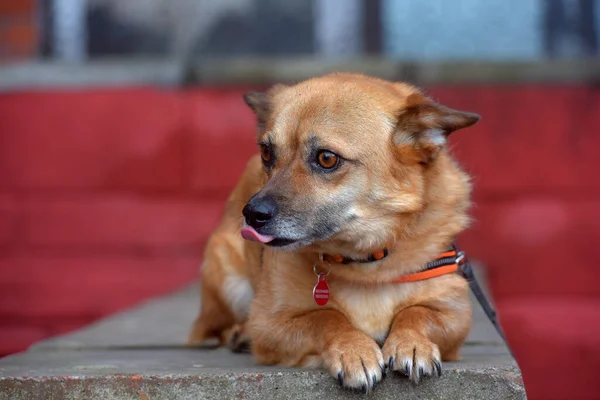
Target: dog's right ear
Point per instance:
(260, 103)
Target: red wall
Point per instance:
(107, 196)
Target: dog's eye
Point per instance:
(265, 154)
(327, 159)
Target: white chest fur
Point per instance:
(238, 292)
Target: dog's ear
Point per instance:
(425, 125)
(260, 103)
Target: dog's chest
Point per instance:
(371, 309)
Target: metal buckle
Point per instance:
(460, 257)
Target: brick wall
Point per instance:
(107, 196)
(18, 30)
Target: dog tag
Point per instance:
(321, 291)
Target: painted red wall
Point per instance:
(107, 196)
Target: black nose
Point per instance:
(259, 211)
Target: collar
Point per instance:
(445, 263)
(448, 262)
(340, 259)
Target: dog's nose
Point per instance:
(259, 211)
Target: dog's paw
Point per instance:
(237, 339)
(355, 360)
(412, 354)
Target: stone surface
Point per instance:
(165, 322)
(140, 354)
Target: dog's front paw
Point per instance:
(355, 360)
(412, 354)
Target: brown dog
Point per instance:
(355, 190)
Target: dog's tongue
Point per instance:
(249, 233)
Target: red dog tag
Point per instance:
(321, 291)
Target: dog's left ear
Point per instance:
(425, 125)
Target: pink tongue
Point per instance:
(249, 233)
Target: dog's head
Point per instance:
(347, 159)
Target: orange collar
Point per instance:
(447, 262)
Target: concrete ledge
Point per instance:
(457, 383)
(265, 71)
(139, 354)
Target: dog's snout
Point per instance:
(259, 211)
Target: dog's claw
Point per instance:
(364, 389)
(383, 373)
(407, 368)
(391, 363)
(438, 367)
(341, 378)
(421, 373)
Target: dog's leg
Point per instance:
(214, 320)
(217, 320)
(226, 295)
(420, 337)
(351, 356)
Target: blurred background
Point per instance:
(122, 130)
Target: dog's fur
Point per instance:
(397, 186)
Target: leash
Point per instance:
(466, 272)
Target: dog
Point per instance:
(353, 192)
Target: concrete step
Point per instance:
(140, 354)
